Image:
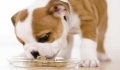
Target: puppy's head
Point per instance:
(42, 29)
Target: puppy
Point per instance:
(47, 27)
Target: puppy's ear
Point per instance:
(19, 16)
(13, 18)
(58, 8)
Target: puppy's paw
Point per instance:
(103, 57)
(89, 54)
(89, 63)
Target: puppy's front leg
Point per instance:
(89, 44)
(88, 14)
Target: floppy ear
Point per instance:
(13, 18)
(19, 16)
(58, 8)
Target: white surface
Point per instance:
(10, 46)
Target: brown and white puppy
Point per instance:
(47, 27)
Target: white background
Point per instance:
(9, 44)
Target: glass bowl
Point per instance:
(57, 62)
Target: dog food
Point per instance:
(41, 58)
(42, 61)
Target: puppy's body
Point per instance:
(47, 27)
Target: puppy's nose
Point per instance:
(35, 54)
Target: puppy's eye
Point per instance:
(44, 39)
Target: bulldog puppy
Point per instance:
(47, 27)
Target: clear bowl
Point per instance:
(28, 62)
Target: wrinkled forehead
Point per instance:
(42, 20)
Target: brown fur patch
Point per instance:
(43, 22)
(21, 15)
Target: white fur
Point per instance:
(88, 53)
(24, 31)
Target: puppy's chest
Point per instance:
(73, 21)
